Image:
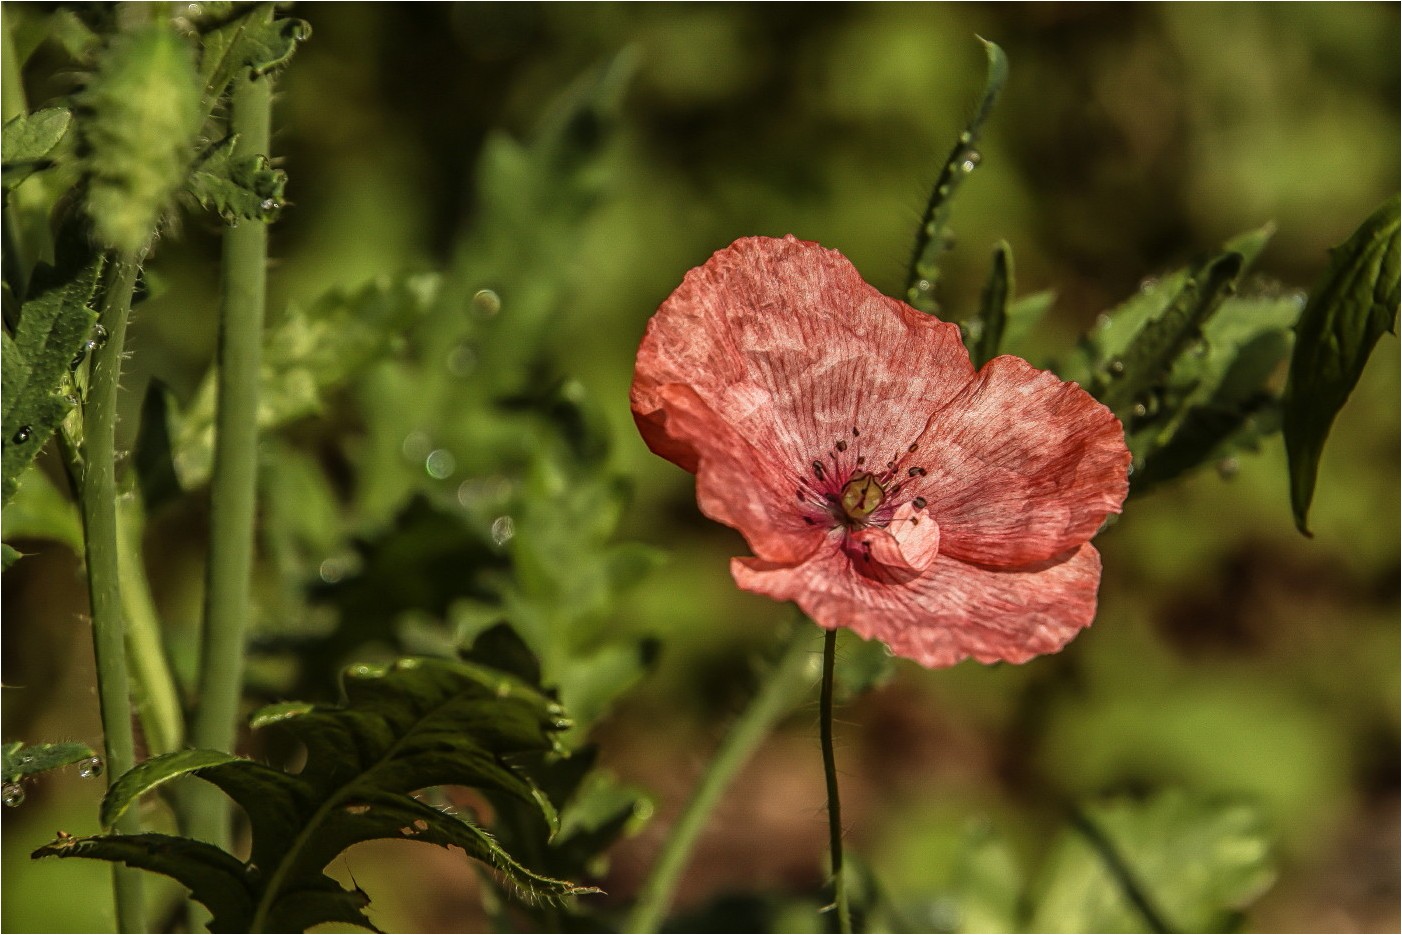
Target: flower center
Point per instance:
(861, 496)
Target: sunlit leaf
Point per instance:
(21, 760)
(237, 188)
(1171, 863)
(1350, 308)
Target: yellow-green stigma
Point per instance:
(861, 496)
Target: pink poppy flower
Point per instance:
(882, 482)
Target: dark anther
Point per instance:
(818, 469)
(808, 520)
(893, 490)
(890, 465)
(855, 433)
(861, 459)
(841, 445)
(919, 503)
(916, 472)
(799, 494)
(912, 448)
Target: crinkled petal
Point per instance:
(730, 491)
(1021, 466)
(900, 551)
(951, 612)
(784, 342)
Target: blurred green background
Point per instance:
(1230, 654)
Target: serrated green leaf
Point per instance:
(54, 325)
(1355, 301)
(985, 333)
(239, 39)
(151, 773)
(1171, 863)
(1146, 362)
(416, 724)
(932, 238)
(237, 188)
(215, 879)
(31, 143)
(308, 354)
(21, 760)
(1223, 402)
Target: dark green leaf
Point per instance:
(416, 724)
(151, 773)
(985, 333)
(241, 40)
(8, 556)
(21, 761)
(933, 236)
(1172, 863)
(1130, 378)
(1350, 308)
(55, 323)
(220, 882)
(31, 141)
(237, 188)
(154, 459)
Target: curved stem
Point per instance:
(233, 482)
(157, 698)
(839, 883)
(98, 495)
(787, 682)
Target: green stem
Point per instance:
(786, 683)
(839, 883)
(233, 481)
(99, 506)
(158, 700)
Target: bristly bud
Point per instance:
(142, 110)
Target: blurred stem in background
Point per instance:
(98, 495)
(785, 684)
(233, 482)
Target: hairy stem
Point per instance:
(233, 481)
(786, 683)
(844, 912)
(98, 495)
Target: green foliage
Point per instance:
(54, 326)
(1186, 364)
(31, 143)
(243, 40)
(407, 727)
(985, 333)
(1354, 303)
(933, 237)
(1171, 863)
(140, 115)
(237, 189)
(21, 761)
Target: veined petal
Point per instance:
(900, 551)
(729, 488)
(953, 611)
(784, 341)
(1021, 466)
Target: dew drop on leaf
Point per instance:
(1227, 468)
(22, 435)
(91, 768)
(416, 446)
(1117, 367)
(461, 360)
(503, 528)
(12, 794)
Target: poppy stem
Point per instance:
(839, 882)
